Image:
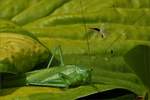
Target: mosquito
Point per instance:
(99, 31)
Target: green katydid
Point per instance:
(58, 76)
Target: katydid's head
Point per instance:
(86, 73)
(78, 75)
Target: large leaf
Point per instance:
(138, 59)
(20, 51)
(61, 22)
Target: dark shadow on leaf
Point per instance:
(107, 95)
(9, 83)
(55, 62)
(12, 80)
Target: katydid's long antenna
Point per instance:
(85, 30)
(87, 40)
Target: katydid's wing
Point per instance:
(45, 75)
(60, 81)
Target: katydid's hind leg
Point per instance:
(52, 83)
(61, 55)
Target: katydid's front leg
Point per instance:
(61, 57)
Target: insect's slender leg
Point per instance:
(102, 34)
(102, 31)
(51, 59)
(61, 55)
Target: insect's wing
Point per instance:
(47, 77)
(40, 75)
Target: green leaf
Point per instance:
(38, 10)
(125, 24)
(138, 59)
(19, 49)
